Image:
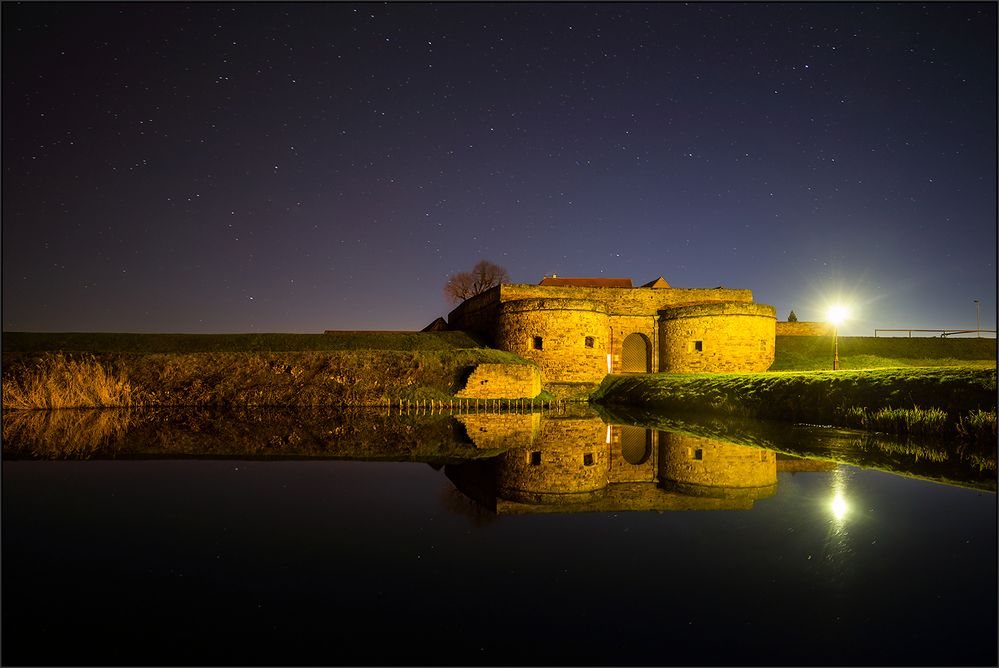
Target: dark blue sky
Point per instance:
(300, 167)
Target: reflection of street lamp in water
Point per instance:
(836, 315)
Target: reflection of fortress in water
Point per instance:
(571, 463)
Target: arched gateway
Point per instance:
(636, 354)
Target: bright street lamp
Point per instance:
(836, 315)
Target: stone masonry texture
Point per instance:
(506, 381)
(580, 334)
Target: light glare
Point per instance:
(837, 314)
(839, 507)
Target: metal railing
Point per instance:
(942, 332)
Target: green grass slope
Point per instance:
(821, 397)
(813, 353)
(95, 342)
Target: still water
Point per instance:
(484, 539)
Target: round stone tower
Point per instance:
(703, 467)
(717, 337)
(567, 463)
(566, 338)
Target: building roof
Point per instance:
(658, 283)
(438, 325)
(587, 282)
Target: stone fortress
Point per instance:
(575, 462)
(577, 330)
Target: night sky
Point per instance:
(301, 167)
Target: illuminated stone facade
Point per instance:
(509, 381)
(578, 333)
(574, 461)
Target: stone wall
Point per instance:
(579, 334)
(566, 338)
(570, 457)
(717, 338)
(477, 315)
(623, 326)
(632, 454)
(804, 329)
(627, 301)
(493, 431)
(502, 381)
(700, 466)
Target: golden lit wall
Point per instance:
(717, 338)
(566, 338)
(569, 457)
(494, 431)
(570, 332)
(506, 381)
(627, 301)
(694, 465)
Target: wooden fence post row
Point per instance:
(459, 406)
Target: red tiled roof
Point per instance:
(587, 282)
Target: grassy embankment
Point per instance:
(815, 353)
(909, 387)
(351, 433)
(49, 371)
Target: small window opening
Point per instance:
(698, 346)
(588, 459)
(535, 459)
(695, 453)
(536, 343)
(589, 341)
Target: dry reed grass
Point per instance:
(65, 434)
(61, 381)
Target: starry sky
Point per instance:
(298, 167)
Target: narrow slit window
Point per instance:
(535, 459)
(588, 459)
(536, 343)
(588, 341)
(697, 346)
(695, 453)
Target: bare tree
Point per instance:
(465, 284)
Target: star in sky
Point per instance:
(337, 161)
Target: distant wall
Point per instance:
(477, 315)
(804, 329)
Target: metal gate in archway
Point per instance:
(636, 444)
(636, 354)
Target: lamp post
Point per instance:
(978, 317)
(837, 314)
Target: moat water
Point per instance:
(568, 538)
